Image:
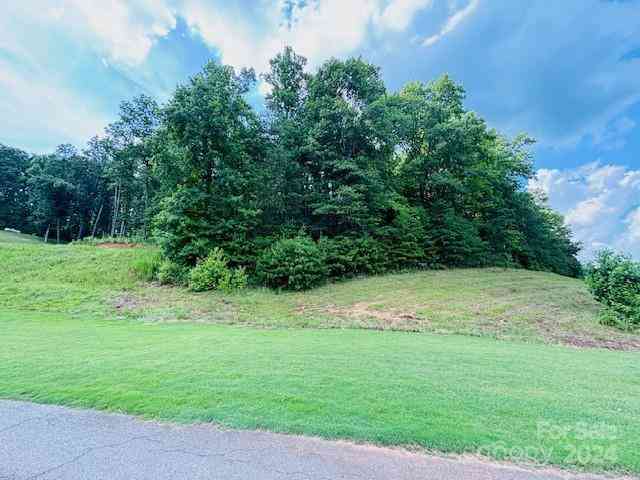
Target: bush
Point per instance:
(236, 279)
(172, 273)
(181, 229)
(147, 265)
(614, 281)
(213, 273)
(339, 255)
(454, 241)
(404, 239)
(292, 264)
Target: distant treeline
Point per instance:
(389, 179)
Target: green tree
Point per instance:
(218, 141)
(14, 196)
(130, 166)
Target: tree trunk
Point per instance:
(81, 231)
(58, 230)
(96, 221)
(46, 234)
(116, 208)
(144, 212)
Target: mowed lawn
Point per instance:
(63, 340)
(7, 236)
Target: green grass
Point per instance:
(506, 304)
(76, 328)
(12, 237)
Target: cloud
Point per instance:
(633, 222)
(452, 22)
(122, 30)
(566, 72)
(34, 104)
(398, 14)
(316, 29)
(587, 212)
(614, 135)
(126, 29)
(553, 69)
(601, 204)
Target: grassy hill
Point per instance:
(77, 328)
(500, 303)
(12, 237)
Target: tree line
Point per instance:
(381, 180)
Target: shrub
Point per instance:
(347, 256)
(172, 273)
(147, 265)
(339, 255)
(213, 273)
(236, 279)
(455, 241)
(292, 264)
(614, 281)
(403, 239)
(180, 229)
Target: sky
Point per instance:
(567, 72)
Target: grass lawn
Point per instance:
(506, 304)
(12, 237)
(76, 328)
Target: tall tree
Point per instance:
(218, 140)
(130, 169)
(14, 196)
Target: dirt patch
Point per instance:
(367, 315)
(161, 304)
(117, 245)
(610, 344)
(126, 302)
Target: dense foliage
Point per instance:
(213, 273)
(376, 180)
(292, 264)
(614, 280)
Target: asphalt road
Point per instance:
(49, 442)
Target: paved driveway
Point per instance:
(48, 442)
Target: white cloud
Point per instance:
(126, 29)
(633, 222)
(32, 103)
(318, 30)
(601, 204)
(123, 30)
(330, 28)
(614, 135)
(50, 45)
(452, 22)
(223, 29)
(588, 212)
(398, 14)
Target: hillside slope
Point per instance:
(500, 303)
(77, 328)
(7, 236)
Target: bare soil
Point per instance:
(117, 245)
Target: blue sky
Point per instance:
(567, 72)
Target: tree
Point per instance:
(50, 193)
(380, 180)
(343, 163)
(130, 167)
(218, 140)
(14, 197)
